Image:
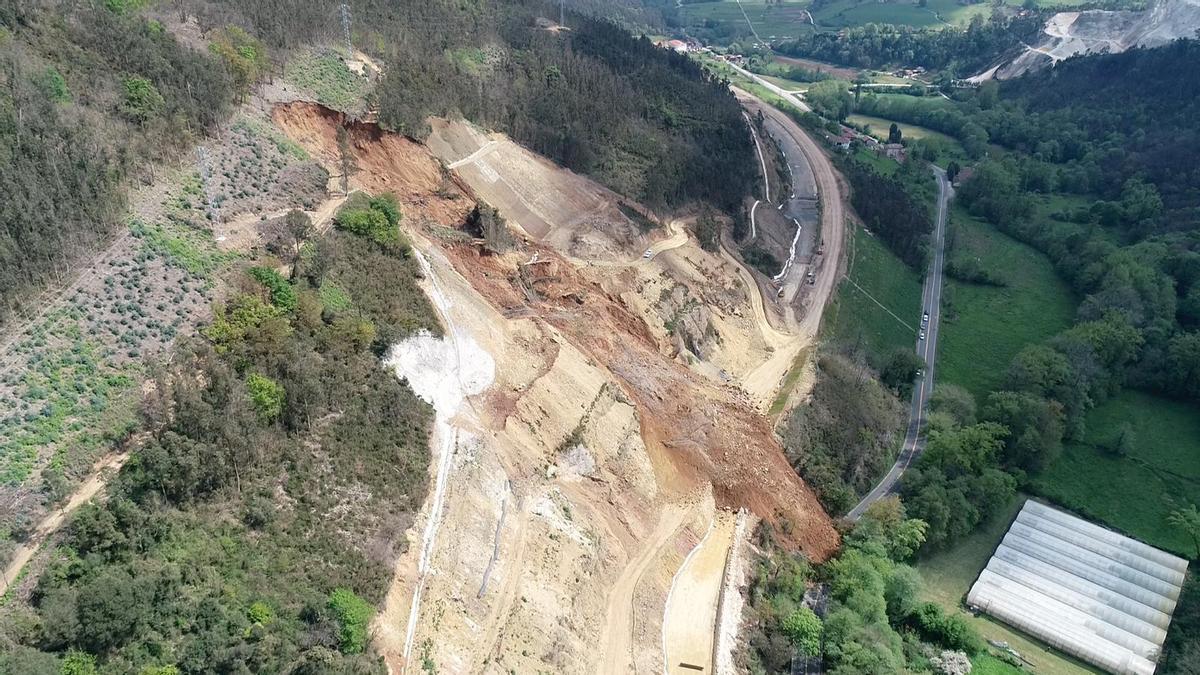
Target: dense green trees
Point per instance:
(958, 482)
(874, 621)
(890, 209)
(962, 52)
(255, 439)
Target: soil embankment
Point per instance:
(577, 491)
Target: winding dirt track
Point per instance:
(617, 639)
(89, 489)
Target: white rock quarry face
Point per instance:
(1067, 34)
(443, 371)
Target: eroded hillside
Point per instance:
(601, 451)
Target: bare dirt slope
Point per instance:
(690, 616)
(577, 484)
(551, 204)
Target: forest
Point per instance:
(91, 98)
(273, 440)
(890, 206)
(647, 122)
(88, 101)
(959, 53)
(872, 620)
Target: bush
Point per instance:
(283, 295)
(141, 100)
(266, 395)
(353, 614)
(379, 221)
(803, 628)
(950, 631)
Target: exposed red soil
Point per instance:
(695, 430)
(386, 162)
(704, 431)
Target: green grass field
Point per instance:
(772, 22)
(790, 85)
(722, 21)
(949, 147)
(986, 664)
(949, 574)
(985, 326)
(1133, 494)
(880, 126)
(844, 13)
(855, 319)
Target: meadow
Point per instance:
(855, 319)
(1133, 493)
(771, 21)
(984, 326)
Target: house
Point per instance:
(678, 46)
(894, 151)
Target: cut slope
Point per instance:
(591, 440)
(1069, 34)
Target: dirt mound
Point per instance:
(385, 162)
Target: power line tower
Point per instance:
(345, 9)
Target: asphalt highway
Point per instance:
(931, 300)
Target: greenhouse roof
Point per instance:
(1088, 591)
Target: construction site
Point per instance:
(601, 452)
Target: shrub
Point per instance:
(803, 628)
(266, 395)
(283, 295)
(353, 614)
(142, 100)
(950, 631)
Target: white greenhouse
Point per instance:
(1090, 592)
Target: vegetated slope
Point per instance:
(958, 51)
(87, 97)
(256, 526)
(1115, 117)
(644, 121)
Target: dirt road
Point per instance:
(616, 642)
(690, 616)
(90, 488)
(763, 381)
(678, 238)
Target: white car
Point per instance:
(648, 253)
(922, 334)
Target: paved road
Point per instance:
(931, 300)
(774, 88)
